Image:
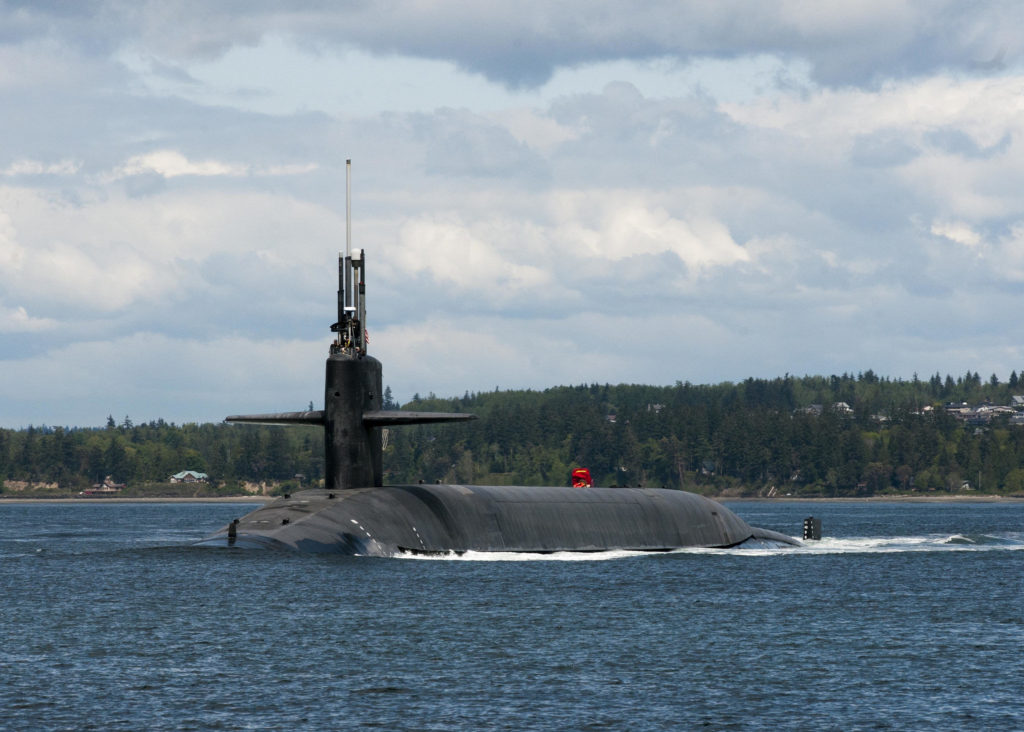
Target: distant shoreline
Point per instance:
(167, 499)
(982, 498)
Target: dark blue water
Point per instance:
(906, 616)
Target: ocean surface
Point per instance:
(905, 616)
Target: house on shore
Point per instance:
(107, 488)
(190, 476)
(816, 410)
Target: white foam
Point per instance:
(527, 557)
(828, 545)
(904, 544)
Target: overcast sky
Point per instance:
(548, 193)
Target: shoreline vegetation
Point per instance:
(811, 437)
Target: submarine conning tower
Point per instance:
(352, 446)
(352, 387)
(352, 414)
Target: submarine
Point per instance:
(355, 514)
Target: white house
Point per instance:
(190, 476)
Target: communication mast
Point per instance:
(351, 328)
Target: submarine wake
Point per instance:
(757, 548)
(752, 548)
(476, 556)
(910, 544)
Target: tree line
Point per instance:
(73, 459)
(756, 437)
(745, 438)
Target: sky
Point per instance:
(547, 194)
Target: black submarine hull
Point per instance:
(454, 519)
(356, 514)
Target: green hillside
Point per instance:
(849, 435)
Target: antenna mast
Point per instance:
(351, 300)
(348, 208)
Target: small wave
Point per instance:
(66, 534)
(982, 540)
(958, 539)
(381, 690)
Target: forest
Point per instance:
(848, 435)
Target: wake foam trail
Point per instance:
(907, 544)
(528, 557)
(828, 545)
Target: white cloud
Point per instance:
(12, 254)
(957, 231)
(983, 109)
(534, 129)
(618, 224)
(575, 249)
(35, 167)
(171, 164)
(62, 257)
(17, 320)
(114, 252)
(291, 169)
(104, 278)
(727, 188)
(450, 252)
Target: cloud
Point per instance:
(976, 107)
(956, 231)
(35, 167)
(614, 225)
(446, 249)
(17, 320)
(171, 164)
(580, 247)
(12, 254)
(44, 58)
(522, 46)
(569, 192)
(1009, 256)
(121, 256)
(461, 143)
(150, 376)
(984, 261)
(535, 130)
